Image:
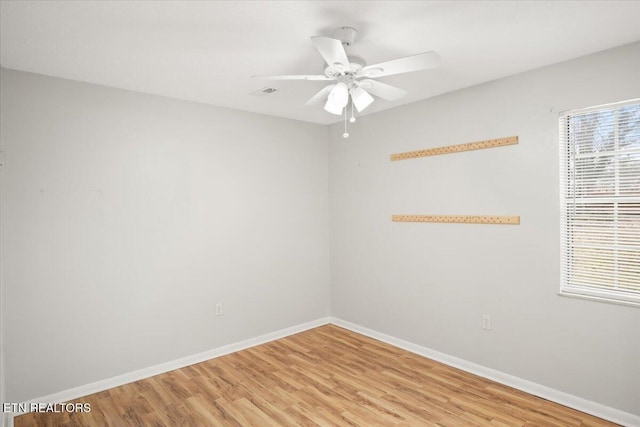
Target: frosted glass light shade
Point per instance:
(338, 99)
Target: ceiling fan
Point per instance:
(351, 77)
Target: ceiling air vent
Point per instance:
(264, 91)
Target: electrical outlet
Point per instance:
(486, 321)
(219, 309)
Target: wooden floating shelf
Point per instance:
(479, 145)
(464, 219)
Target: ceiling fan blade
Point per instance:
(333, 52)
(361, 99)
(320, 96)
(382, 90)
(421, 61)
(294, 77)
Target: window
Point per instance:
(600, 201)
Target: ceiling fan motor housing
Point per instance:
(355, 62)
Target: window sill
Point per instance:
(597, 298)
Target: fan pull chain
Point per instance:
(346, 134)
(353, 118)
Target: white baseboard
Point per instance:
(562, 398)
(98, 386)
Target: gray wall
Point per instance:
(127, 217)
(430, 283)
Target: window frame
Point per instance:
(568, 204)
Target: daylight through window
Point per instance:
(600, 199)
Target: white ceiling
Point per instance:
(207, 51)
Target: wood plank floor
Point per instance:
(327, 376)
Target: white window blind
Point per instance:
(600, 200)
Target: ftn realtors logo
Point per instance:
(9, 407)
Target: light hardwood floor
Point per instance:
(327, 376)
